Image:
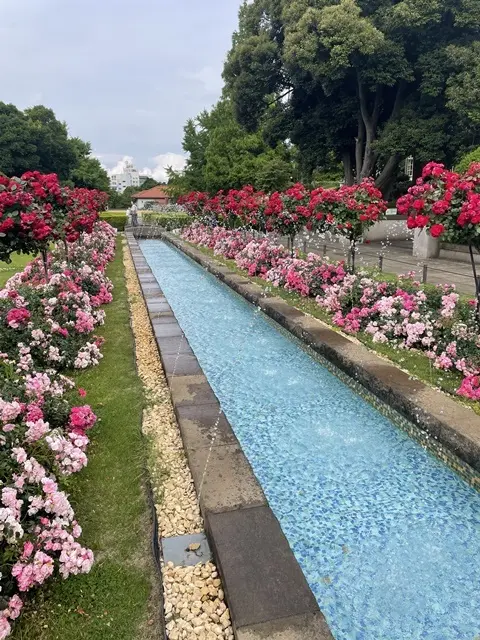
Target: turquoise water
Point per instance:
(387, 536)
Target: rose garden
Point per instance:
(51, 310)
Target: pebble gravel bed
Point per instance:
(194, 600)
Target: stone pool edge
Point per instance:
(455, 427)
(266, 591)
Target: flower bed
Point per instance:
(433, 320)
(46, 328)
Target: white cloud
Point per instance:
(158, 172)
(120, 166)
(162, 162)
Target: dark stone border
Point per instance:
(456, 427)
(266, 590)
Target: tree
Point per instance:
(34, 140)
(149, 184)
(88, 172)
(55, 151)
(18, 151)
(373, 81)
(222, 155)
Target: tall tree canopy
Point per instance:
(34, 140)
(372, 80)
(18, 151)
(223, 155)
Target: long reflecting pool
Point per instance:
(388, 536)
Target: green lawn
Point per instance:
(8, 269)
(119, 599)
(415, 362)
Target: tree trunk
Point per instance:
(65, 246)
(347, 167)
(45, 263)
(370, 121)
(384, 179)
(359, 148)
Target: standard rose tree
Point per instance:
(36, 211)
(447, 204)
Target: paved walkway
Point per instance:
(397, 258)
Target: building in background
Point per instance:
(129, 178)
(151, 198)
(143, 178)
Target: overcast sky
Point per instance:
(123, 75)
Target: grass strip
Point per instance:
(7, 270)
(117, 599)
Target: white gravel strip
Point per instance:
(194, 600)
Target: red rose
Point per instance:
(422, 221)
(436, 230)
(7, 224)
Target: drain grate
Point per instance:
(186, 551)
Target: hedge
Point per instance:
(117, 219)
(168, 221)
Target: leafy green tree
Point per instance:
(88, 172)
(373, 81)
(223, 155)
(55, 151)
(148, 184)
(34, 140)
(18, 151)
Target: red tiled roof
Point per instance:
(151, 194)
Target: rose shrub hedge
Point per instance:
(47, 323)
(434, 321)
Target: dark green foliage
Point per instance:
(224, 155)
(18, 150)
(374, 81)
(168, 221)
(116, 219)
(34, 140)
(148, 184)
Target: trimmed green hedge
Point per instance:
(117, 219)
(167, 221)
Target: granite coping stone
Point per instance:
(187, 391)
(162, 318)
(204, 426)
(262, 579)
(173, 346)
(167, 330)
(224, 479)
(157, 305)
(309, 626)
(455, 426)
(182, 364)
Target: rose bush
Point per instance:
(433, 320)
(447, 204)
(349, 211)
(46, 328)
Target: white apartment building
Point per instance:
(129, 178)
